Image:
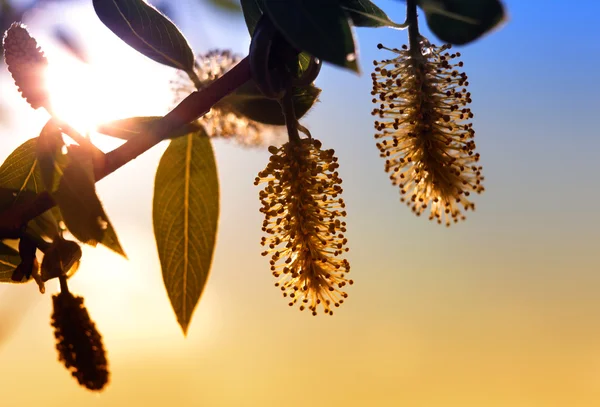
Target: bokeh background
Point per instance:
(502, 310)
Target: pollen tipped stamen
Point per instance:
(302, 206)
(423, 130)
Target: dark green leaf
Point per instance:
(125, 129)
(462, 21)
(185, 213)
(248, 101)
(145, 29)
(79, 205)
(252, 12)
(319, 27)
(20, 174)
(366, 14)
(9, 260)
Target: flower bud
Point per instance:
(61, 259)
(78, 342)
(27, 64)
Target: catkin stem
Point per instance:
(64, 287)
(291, 122)
(413, 25)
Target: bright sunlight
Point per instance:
(88, 94)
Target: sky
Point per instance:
(501, 310)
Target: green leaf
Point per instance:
(462, 21)
(319, 27)
(79, 205)
(249, 101)
(52, 163)
(366, 14)
(50, 155)
(148, 31)
(126, 129)
(20, 174)
(303, 62)
(20, 169)
(185, 215)
(253, 11)
(9, 260)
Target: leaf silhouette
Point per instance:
(366, 14)
(185, 216)
(126, 129)
(462, 21)
(146, 30)
(319, 27)
(80, 206)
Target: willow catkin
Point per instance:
(223, 120)
(424, 130)
(303, 210)
(78, 342)
(27, 64)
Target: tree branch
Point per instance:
(191, 108)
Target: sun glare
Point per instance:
(86, 95)
(79, 96)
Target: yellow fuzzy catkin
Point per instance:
(302, 207)
(424, 130)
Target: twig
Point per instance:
(413, 25)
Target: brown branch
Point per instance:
(191, 108)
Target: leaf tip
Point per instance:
(352, 62)
(184, 325)
(119, 250)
